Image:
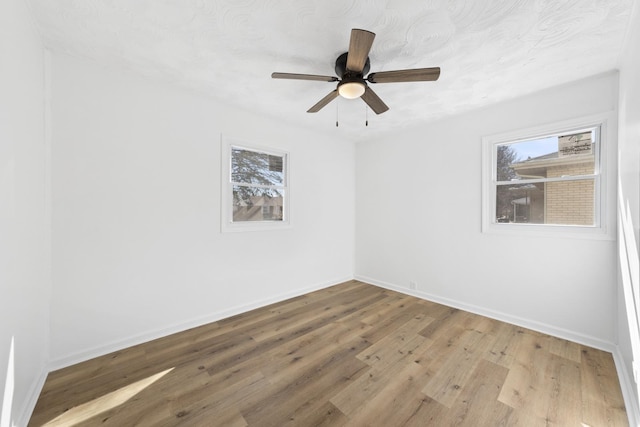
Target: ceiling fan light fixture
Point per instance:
(351, 90)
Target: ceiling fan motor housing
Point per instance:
(341, 66)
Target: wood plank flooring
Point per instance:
(349, 355)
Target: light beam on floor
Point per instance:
(101, 404)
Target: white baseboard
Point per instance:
(101, 350)
(504, 317)
(627, 386)
(24, 415)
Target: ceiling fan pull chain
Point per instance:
(337, 112)
(366, 115)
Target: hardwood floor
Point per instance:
(350, 355)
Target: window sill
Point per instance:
(254, 226)
(540, 230)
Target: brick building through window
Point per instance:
(563, 202)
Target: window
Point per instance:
(548, 180)
(255, 193)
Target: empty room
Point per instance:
(305, 213)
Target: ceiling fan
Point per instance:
(352, 66)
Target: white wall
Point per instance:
(418, 218)
(137, 245)
(24, 212)
(629, 200)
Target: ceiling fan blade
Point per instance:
(292, 76)
(359, 47)
(414, 75)
(324, 101)
(373, 101)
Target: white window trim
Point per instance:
(226, 204)
(604, 193)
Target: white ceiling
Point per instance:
(489, 50)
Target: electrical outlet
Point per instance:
(413, 285)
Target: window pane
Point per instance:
(251, 167)
(559, 203)
(257, 204)
(555, 156)
(522, 203)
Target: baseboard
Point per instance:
(24, 415)
(630, 402)
(72, 359)
(504, 317)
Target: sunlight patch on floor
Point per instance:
(101, 404)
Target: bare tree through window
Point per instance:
(258, 180)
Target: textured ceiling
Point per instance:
(489, 50)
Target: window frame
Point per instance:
(604, 147)
(226, 215)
